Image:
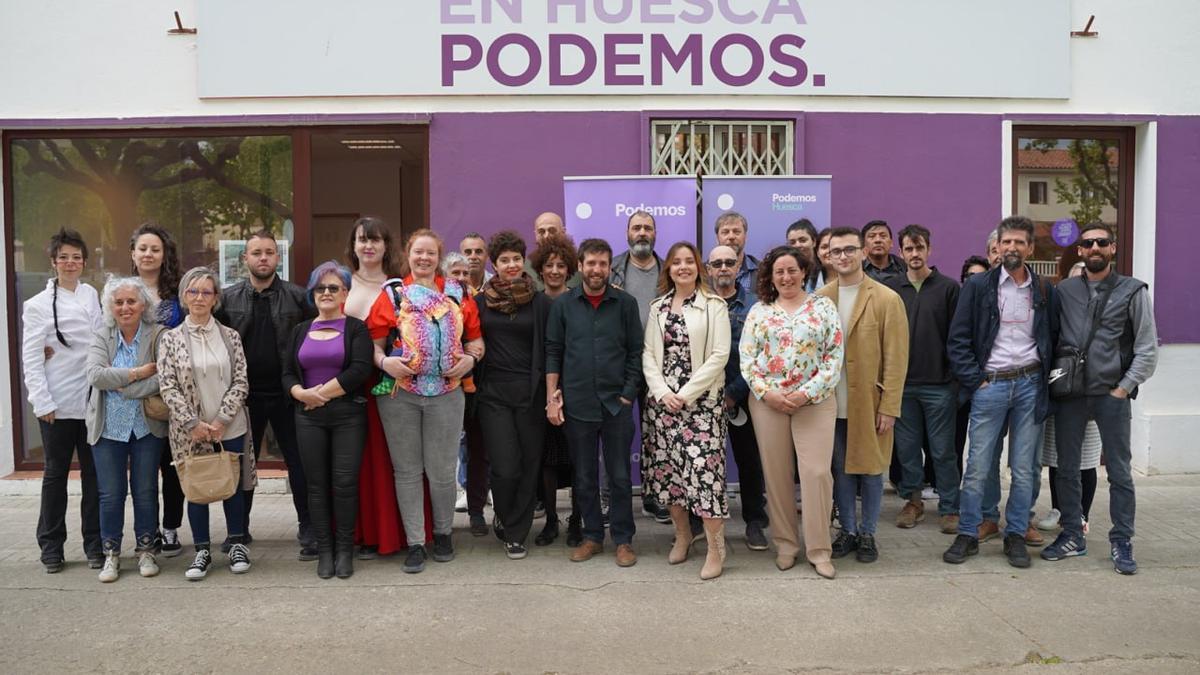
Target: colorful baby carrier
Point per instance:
(427, 336)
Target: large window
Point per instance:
(203, 189)
(1080, 175)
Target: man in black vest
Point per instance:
(1107, 316)
(263, 309)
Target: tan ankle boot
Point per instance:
(714, 562)
(683, 537)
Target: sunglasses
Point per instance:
(1102, 242)
(723, 262)
(331, 289)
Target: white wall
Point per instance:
(113, 58)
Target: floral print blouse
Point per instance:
(793, 351)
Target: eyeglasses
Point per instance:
(332, 289)
(1102, 242)
(194, 293)
(844, 252)
(722, 262)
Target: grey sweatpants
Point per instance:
(422, 434)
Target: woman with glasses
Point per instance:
(155, 261)
(330, 361)
(202, 379)
(58, 325)
(126, 443)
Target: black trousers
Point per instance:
(172, 492)
(477, 457)
(515, 445)
(331, 447)
(750, 473)
(61, 440)
(278, 411)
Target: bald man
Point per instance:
(723, 267)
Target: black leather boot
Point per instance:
(344, 563)
(325, 566)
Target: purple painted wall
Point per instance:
(942, 171)
(1176, 304)
(494, 171)
(489, 172)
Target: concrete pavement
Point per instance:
(908, 612)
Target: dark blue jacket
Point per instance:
(739, 306)
(977, 321)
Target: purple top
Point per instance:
(323, 360)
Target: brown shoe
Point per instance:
(912, 513)
(1033, 537)
(949, 524)
(988, 529)
(824, 569)
(625, 556)
(586, 550)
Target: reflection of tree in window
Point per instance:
(1095, 182)
(229, 185)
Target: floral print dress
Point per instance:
(683, 453)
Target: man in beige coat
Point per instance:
(875, 330)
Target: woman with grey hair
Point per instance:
(455, 266)
(326, 370)
(202, 376)
(126, 443)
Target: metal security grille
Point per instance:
(721, 148)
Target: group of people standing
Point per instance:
(813, 363)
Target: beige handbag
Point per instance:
(153, 406)
(211, 477)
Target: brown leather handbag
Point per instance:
(153, 406)
(211, 477)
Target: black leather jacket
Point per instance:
(289, 306)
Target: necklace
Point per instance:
(366, 280)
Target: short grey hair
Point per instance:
(115, 283)
(993, 236)
(194, 275)
(451, 259)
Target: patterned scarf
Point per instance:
(506, 296)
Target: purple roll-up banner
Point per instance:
(600, 206)
(769, 203)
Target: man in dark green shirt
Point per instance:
(593, 373)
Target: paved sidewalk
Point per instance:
(909, 612)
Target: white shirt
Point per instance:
(1015, 346)
(59, 385)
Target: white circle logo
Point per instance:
(583, 210)
(725, 202)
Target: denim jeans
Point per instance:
(136, 458)
(612, 437)
(1112, 417)
(846, 486)
(62, 439)
(927, 420)
(234, 507)
(1016, 401)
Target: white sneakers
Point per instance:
(199, 567)
(1050, 522)
(112, 568)
(147, 565)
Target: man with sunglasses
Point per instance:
(263, 309)
(1108, 315)
(723, 273)
(1001, 349)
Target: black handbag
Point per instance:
(1070, 363)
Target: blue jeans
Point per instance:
(1015, 401)
(139, 457)
(612, 437)
(846, 486)
(927, 420)
(234, 507)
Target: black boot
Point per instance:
(344, 562)
(325, 566)
(549, 533)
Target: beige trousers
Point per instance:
(808, 433)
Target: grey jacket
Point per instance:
(1125, 350)
(104, 378)
(620, 269)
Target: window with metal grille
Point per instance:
(721, 147)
